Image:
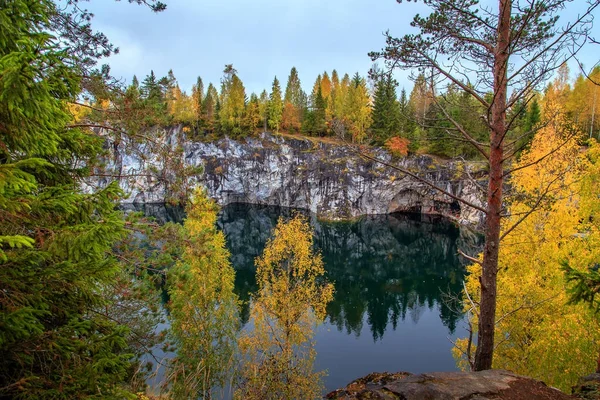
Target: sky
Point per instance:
(261, 38)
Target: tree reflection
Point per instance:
(387, 267)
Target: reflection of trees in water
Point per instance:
(387, 267)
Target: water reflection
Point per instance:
(387, 267)
(389, 272)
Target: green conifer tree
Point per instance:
(386, 111)
(56, 267)
(275, 106)
(209, 108)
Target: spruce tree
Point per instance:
(275, 106)
(263, 103)
(198, 99)
(386, 111)
(56, 242)
(320, 127)
(209, 105)
(293, 89)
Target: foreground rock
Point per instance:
(588, 387)
(494, 384)
(327, 178)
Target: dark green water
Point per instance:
(394, 278)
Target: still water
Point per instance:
(396, 282)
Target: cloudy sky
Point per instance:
(261, 38)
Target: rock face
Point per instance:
(493, 384)
(328, 179)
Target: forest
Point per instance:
(81, 280)
(364, 110)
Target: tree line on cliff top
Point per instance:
(364, 110)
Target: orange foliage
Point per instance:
(398, 146)
(289, 119)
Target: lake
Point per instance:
(397, 279)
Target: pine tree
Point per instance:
(315, 89)
(275, 106)
(150, 89)
(135, 83)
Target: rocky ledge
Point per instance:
(325, 177)
(493, 384)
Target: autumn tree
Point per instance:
(278, 354)
(209, 108)
(340, 96)
(542, 336)
(198, 99)
(202, 307)
(275, 106)
(293, 103)
(357, 109)
(397, 146)
(314, 121)
(583, 103)
(326, 93)
(181, 106)
(252, 118)
(508, 54)
(232, 101)
(290, 120)
(335, 89)
(421, 98)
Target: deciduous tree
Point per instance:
(508, 53)
(203, 307)
(278, 354)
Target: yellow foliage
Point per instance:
(278, 353)
(78, 112)
(181, 106)
(203, 307)
(537, 333)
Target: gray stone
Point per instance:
(329, 179)
(483, 385)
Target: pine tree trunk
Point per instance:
(487, 312)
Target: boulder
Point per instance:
(483, 385)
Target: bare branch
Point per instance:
(468, 257)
